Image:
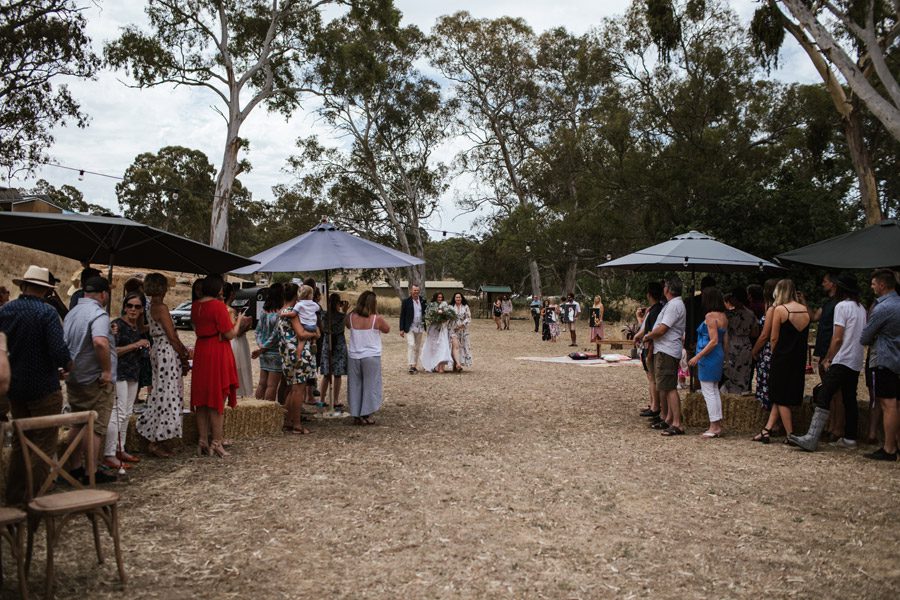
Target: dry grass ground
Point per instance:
(515, 479)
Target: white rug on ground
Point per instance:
(608, 360)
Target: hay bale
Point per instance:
(249, 419)
(745, 414)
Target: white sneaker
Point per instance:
(844, 443)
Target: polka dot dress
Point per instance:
(161, 419)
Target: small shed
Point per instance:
(487, 294)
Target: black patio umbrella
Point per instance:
(114, 241)
(869, 248)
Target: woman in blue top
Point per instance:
(710, 357)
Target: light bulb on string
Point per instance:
(81, 175)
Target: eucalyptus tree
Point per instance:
(857, 46)
(384, 182)
(245, 52)
(491, 66)
(43, 41)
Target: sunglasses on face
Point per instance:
(134, 306)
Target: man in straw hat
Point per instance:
(37, 353)
(842, 363)
(882, 335)
(91, 384)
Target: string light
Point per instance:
(81, 175)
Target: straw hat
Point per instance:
(36, 275)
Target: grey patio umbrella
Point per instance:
(324, 248)
(869, 248)
(691, 251)
(114, 241)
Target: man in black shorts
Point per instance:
(882, 334)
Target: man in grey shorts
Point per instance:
(668, 340)
(91, 382)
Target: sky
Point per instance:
(125, 122)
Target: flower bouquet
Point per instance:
(438, 314)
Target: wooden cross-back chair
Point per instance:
(12, 529)
(57, 509)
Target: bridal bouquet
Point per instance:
(437, 314)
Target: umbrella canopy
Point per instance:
(692, 251)
(869, 248)
(114, 241)
(325, 247)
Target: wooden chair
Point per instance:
(12, 529)
(58, 508)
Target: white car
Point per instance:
(181, 316)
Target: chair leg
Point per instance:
(9, 528)
(96, 527)
(51, 541)
(114, 518)
(32, 529)
(20, 560)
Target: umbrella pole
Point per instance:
(328, 317)
(691, 320)
(109, 274)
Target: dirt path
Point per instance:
(516, 479)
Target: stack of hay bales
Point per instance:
(743, 414)
(249, 419)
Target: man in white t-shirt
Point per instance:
(668, 341)
(842, 363)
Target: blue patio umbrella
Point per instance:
(324, 248)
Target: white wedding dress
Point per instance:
(436, 350)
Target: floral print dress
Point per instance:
(763, 364)
(299, 361)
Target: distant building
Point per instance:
(447, 287)
(487, 294)
(12, 201)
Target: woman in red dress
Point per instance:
(214, 376)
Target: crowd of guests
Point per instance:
(104, 360)
(766, 330)
(437, 333)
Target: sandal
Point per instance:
(649, 413)
(660, 425)
(763, 436)
(159, 451)
(299, 431)
(673, 431)
(710, 435)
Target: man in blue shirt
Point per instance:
(882, 335)
(37, 353)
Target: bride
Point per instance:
(436, 351)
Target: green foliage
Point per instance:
(43, 41)
(767, 33)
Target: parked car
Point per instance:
(181, 316)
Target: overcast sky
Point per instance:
(125, 122)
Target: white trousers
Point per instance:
(414, 342)
(710, 390)
(126, 392)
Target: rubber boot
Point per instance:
(810, 441)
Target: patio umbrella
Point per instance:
(692, 251)
(114, 241)
(869, 248)
(324, 248)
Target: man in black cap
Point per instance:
(92, 381)
(843, 362)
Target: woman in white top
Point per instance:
(436, 355)
(364, 358)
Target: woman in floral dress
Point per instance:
(295, 345)
(459, 333)
(762, 351)
(743, 329)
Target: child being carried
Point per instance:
(305, 308)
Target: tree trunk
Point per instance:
(571, 272)
(218, 229)
(535, 278)
(862, 165)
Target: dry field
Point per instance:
(513, 480)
